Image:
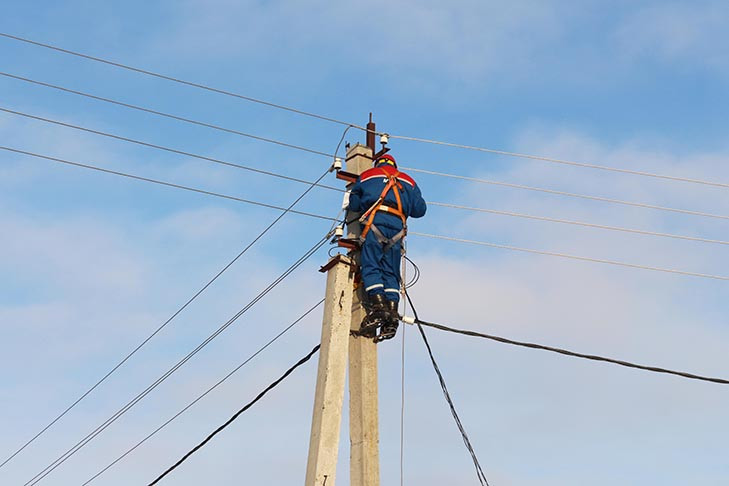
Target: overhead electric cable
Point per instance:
(167, 149)
(574, 354)
(564, 162)
(166, 115)
(203, 395)
(181, 81)
(578, 223)
(237, 414)
(334, 120)
(573, 257)
(163, 183)
(460, 240)
(479, 470)
(568, 194)
(164, 324)
(341, 122)
(89, 437)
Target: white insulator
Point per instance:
(337, 163)
(408, 320)
(384, 139)
(339, 231)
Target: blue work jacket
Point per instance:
(369, 187)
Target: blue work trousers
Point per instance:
(381, 270)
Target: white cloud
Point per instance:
(401, 39)
(691, 34)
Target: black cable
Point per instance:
(163, 183)
(181, 81)
(565, 352)
(237, 414)
(174, 417)
(416, 273)
(163, 114)
(166, 149)
(89, 437)
(164, 324)
(479, 471)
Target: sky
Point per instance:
(94, 263)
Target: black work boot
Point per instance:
(377, 314)
(389, 326)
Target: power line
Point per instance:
(237, 414)
(479, 471)
(166, 115)
(334, 120)
(340, 122)
(460, 240)
(166, 149)
(574, 354)
(573, 257)
(89, 437)
(273, 174)
(203, 395)
(182, 81)
(164, 324)
(564, 162)
(578, 223)
(163, 183)
(568, 194)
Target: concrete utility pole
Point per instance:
(364, 436)
(324, 441)
(343, 312)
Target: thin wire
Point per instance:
(164, 324)
(166, 149)
(166, 115)
(334, 120)
(203, 395)
(180, 81)
(163, 183)
(565, 162)
(237, 414)
(568, 194)
(402, 406)
(88, 438)
(402, 370)
(574, 354)
(479, 471)
(579, 223)
(460, 240)
(573, 257)
(416, 273)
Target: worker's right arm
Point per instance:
(417, 203)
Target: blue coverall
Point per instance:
(381, 270)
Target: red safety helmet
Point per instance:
(386, 159)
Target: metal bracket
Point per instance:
(346, 176)
(349, 243)
(381, 153)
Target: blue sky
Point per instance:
(93, 263)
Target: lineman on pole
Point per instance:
(386, 197)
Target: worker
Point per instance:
(385, 197)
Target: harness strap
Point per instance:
(369, 215)
(388, 243)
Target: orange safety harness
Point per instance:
(368, 216)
